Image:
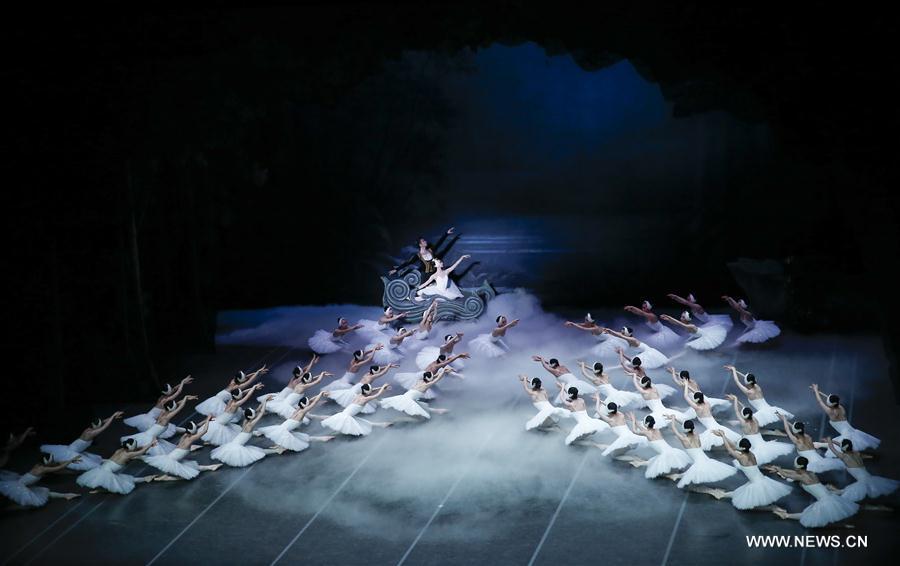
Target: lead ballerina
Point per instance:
(491, 344)
(758, 331)
(439, 283)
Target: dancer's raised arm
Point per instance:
(734, 374)
(457, 262)
(727, 443)
(674, 427)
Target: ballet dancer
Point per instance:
(328, 342)
(704, 469)
(622, 399)
(866, 485)
(145, 420)
(21, 489)
(700, 313)
(491, 344)
(439, 283)
(702, 338)
(837, 418)
(585, 425)
(635, 368)
(668, 459)
(796, 432)
(564, 378)
(653, 398)
(765, 414)
(429, 354)
(828, 508)
(765, 451)
(425, 254)
(708, 438)
(607, 343)
(758, 331)
(360, 358)
(235, 452)
(13, 442)
(160, 427)
(548, 416)
(344, 397)
(86, 460)
(409, 402)
(652, 358)
(283, 434)
(286, 407)
(407, 380)
(222, 430)
(683, 379)
(346, 421)
(173, 465)
(377, 327)
(625, 439)
(660, 337)
(107, 475)
(391, 352)
(215, 405)
(296, 375)
(759, 492)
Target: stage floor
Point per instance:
(468, 487)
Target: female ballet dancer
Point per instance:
(439, 283)
(765, 414)
(759, 492)
(429, 354)
(425, 254)
(328, 342)
(708, 438)
(377, 328)
(360, 358)
(660, 337)
(668, 459)
(548, 416)
(346, 421)
(683, 379)
(564, 377)
(796, 432)
(837, 417)
(598, 377)
(286, 407)
(427, 322)
(216, 404)
(107, 475)
(222, 430)
(866, 485)
(704, 469)
(491, 344)
(145, 420)
(700, 313)
(283, 434)
(702, 338)
(161, 425)
(635, 368)
(173, 465)
(392, 351)
(407, 380)
(86, 460)
(758, 331)
(607, 343)
(765, 451)
(409, 402)
(651, 357)
(828, 508)
(625, 439)
(236, 453)
(21, 489)
(585, 424)
(344, 397)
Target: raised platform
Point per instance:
(472, 305)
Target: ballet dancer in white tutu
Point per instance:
(548, 415)
(765, 414)
(284, 434)
(106, 476)
(702, 338)
(173, 465)
(86, 460)
(145, 420)
(439, 283)
(805, 446)
(216, 404)
(346, 422)
(236, 453)
(652, 397)
(708, 438)
(565, 379)
(766, 451)
(610, 413)
(429, 354)
(866, 485)
(660, 337)
(759, 492)
(21, 489)
(829, 507)
(622, 399)
(837, 418)
(409, 402)
(344, 397)
(758, 331)
(683, 379)
(704, 469)
(392, 351)
(285, 407)
(585, 425)
(423, 331)
(223, 430)
(160, 427)
(668, 459)
(491, 344)
(651, 357)
(360, 359)
(296, 375)
(377, 328)
(607, 343)
(635, 367)
(328, 342)
(700, 313)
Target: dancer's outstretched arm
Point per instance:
(734, 375)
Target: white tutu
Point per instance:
(221, 431)
(759, 331)
(708, 440)
(236, 454)
(607, 346)
(818, 464)
(860, 439)
(759, 491)
(663, 390)
(621, 398)
(829, 508)
(704, 469)
(344, 397)
(765, 413)
(667, 459)
(429, 354)
(155, 432)
(659, 411)
(285, 391)
(625, 439)
(442, 286)
(547, 415)
(325, 342)
(373, 328)
(406, 403)
(488, 346)
(867, 485)
(767, 451)
(651, 358)
(723, 320)
(18, 488)
(707, 337)
(145, 420)
(586, 426)
(408, 380)
(346, 422)
(387, 355)
(215, 405)
(173, 464)
(584, 388)
(284, 435)
(342, 382)
(105, 476)
(63, 452)
(661, 337)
